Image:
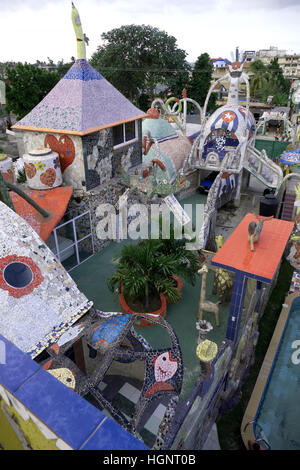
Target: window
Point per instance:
(72, 241)
(124, 133)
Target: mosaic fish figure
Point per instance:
(165, 368)
(64, 375)
(109, 331)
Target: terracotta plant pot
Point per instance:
(179, 288)
(162, 311)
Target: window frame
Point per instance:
(127, 142)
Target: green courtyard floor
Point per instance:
(91, 277)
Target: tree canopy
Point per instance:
(26, 86)
(135, 58)
(201, 80)
(268, 80)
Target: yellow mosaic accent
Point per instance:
(65, 376)
(207, 350)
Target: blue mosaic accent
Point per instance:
(236, 305)
(17, 367)
(109, 436)
(82, 70)
(110, 330)
(220, 121)
(62, 410)
(67, 414)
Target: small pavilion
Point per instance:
(262, 264)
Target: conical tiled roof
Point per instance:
(82, 102)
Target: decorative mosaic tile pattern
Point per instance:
(40, 314)
(74, 171)
(81, 100)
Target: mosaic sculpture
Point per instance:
(175, 110)
(111, 337)
(80, 37)
(206, 305)
(147, 182)
(42, 167)
(254, 230)
(223, 284)
(6, 168)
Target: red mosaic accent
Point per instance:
(158, 387)
(37, 277)
(48, 177)
(30, 170)
(64, 147)
(8, 176)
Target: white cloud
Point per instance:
(35, 29)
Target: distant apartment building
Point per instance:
(290, 63)
(266, 55)
(51, 67)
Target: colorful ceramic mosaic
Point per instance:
(50, 300)
(105, 334)
(65, 148)
(36, 275)
(112, 334)
(77, 104)
(42, 169)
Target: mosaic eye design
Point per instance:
(19, 275)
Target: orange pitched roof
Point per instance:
(261, 263)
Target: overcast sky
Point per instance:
(37, 29)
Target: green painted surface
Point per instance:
(273, 148)
(91, 279)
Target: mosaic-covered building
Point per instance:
(92, 126)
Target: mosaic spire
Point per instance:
(81, 53)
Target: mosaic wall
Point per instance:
(34, 287)
(68, 147)
(102, 161)
(202, 413)
(30, 432)
(38, 411)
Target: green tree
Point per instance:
(278, 85)
(27, 85)
(200, 82)
(62, 68)
(135, 58)
(268, 80)
(259, 79)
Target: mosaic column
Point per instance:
(236, 305)
(206, 352)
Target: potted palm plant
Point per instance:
(146, 279)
